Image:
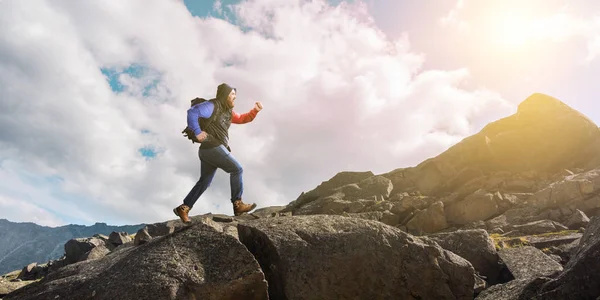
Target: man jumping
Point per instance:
(214, 151)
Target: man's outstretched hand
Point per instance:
(258, 106)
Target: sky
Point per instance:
(94, 94)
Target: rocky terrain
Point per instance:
(23, 243)
(512, 212)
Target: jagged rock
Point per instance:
(552, 240)
(409, 203)
(513, 216)
(340, 179)
(537, 227)
(528, 262)
(579, 188)
(577, 220)
(351, 198)
(562, 250)
(56, 264)
(476, 247)
(76, 249)
(96, 253)
(22, 243)
(579, 279)
(142, 236)
(326, 188)
(33, 271)
(335, 257)
(119, 238)
(477, 206)
(196, 262)
(430, 220)
(508, 201)
(372, 186)
(163, 228)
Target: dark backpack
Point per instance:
(188, 132)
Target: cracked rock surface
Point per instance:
(335, 257)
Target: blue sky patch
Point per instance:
(113, 80)
(148, 152)
(134, 70)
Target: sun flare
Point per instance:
(513, 31)
(510, 31)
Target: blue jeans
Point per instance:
(210, 160)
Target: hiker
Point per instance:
(214, 151)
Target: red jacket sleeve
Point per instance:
(243, 118)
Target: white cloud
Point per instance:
(337, 94)
(21, 211)
(218, 7)
(453, 19)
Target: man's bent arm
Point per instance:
(243, 118)
(202, 110)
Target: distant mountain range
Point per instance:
(24, 243)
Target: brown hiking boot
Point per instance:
(240, 207)
(182, 212)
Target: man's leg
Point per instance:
(207, 173)
(223, 159)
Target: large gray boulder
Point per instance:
(335, 257)
(196, 262)
(476, 247)
(119, 238)
(79, 249)
(529, 262)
